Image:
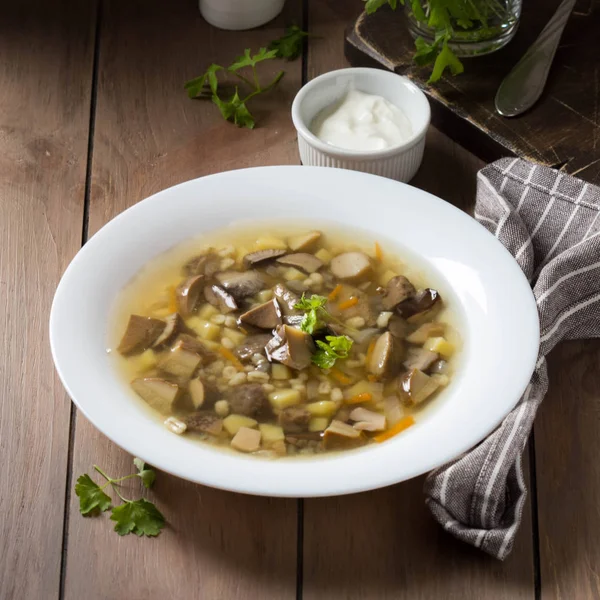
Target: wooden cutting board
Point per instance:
(562, 130)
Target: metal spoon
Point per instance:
(522, 87)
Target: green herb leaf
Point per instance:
(289, 45)
(146, 475)
(139, 516)
(235, 110)
(372, 5)
(197, 87)
(248, 60)
(91, 497)
(312, 306)
(336, 347)
(445, 59)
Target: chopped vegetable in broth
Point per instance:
(279, 345)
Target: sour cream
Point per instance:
(362, 121)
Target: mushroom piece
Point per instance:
(140, 334)
(188, 294)
(293, 320)
(263, 316)
(158, 393)
(204, 422)
(416, 386)
(241, 284)
(253, 344)
(248, 399)
(385, 355)
(304, 242)
(367, 420)
(174, 325)
(262, 256)
(398, 289)
(291, 347)
(294, 419)
(246, 440)
(303, 261)
(416, 306)
(340, 435)
(351, 266)
(287, 299)
(218, 297)
(397, 326)
(420, 358)
(190, 343)
(180, 361)
(205, 264)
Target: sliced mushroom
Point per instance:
(264, 316)
(291, 347)
(196, 390)
(440, 367)
(421, 359)
(294, 419)
(416, 386)
(188, 294)
(180, 361)
(260, 257)
(248, 399)
(293, 320)
(204, 422)
(367, 420)
(246, 440)
(205, 264)
(218, 297)
(398, 289)
(253, 344)
(385, 357)
(190, 343)
(397, 326)
(351, 266)
(414, 307)
(304, 242)
(158, 393)
(140, 334)
(287, 299)
(302, 439)
(174, 325)
(303, 261)
(241, 284)
(340, 435)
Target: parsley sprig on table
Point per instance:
(132, 516)
(289, 45)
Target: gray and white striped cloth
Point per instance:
(549, 222)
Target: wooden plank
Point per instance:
(149, 136)
(45, 73)
(562, 129)
(568, 474)
(385, 544)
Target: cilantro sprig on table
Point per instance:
(132, 516)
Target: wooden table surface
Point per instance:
(93, 118)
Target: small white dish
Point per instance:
(400, 162)
(499, 323)
(240, 14)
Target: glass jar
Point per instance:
(501, 22)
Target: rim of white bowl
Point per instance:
(250, 470)
(303, 129)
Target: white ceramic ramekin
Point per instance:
(400, 162)
(240, 14)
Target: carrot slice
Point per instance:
(401, 425)
(172, 299)
(364, 397)
(231, 357)
(340, 377)
(335, 292)
(352, 301)
(378, 252)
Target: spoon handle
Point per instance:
(522, 87)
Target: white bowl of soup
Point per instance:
(291, 331)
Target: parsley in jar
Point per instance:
(364, 122)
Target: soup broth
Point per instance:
(278, 340)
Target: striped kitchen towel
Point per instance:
(549, 222)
